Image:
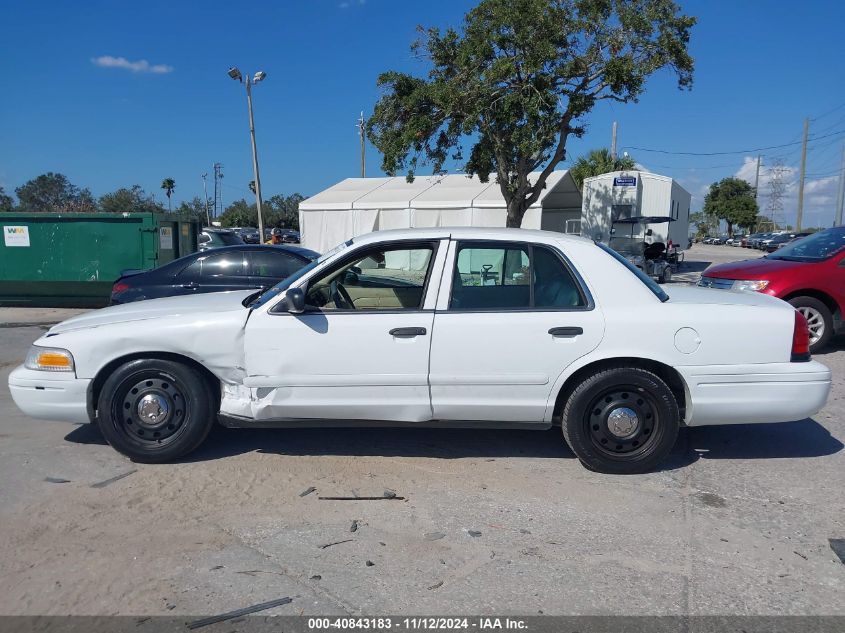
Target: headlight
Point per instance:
(748, 284)
(49, 359)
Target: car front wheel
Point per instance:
(622, 420)
(819, 321)
(154, 410)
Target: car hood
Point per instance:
(761, 268)
(694, 294)
(156, 308)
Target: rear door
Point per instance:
(215, 271)
(511, 316)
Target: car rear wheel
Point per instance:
(819, 320)
(154, 410)
(622, 420)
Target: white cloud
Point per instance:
(140, 66)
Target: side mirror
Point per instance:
(295, 301)
(649, 232)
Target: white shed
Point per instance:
(625, 194)
(360, 205)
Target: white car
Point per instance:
(464, 327)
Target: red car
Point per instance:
(809, 273)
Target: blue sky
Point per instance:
(762, 66)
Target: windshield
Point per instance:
(648, 281)
(287, 282)
(813, 248)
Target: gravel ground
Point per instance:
(738, 521)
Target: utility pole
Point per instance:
(205, 192)
(218, 189)
(800, 214)
(613, 142)
(360, 127)
(840, 196)
(757, 177)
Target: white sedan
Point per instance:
(495, 328)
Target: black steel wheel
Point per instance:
(155, 410)
(621, 420)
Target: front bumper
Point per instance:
(749, 394)
(50, 396)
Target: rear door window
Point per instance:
(215, 265)
(512, 277)
(272, 265)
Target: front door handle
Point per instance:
(566, 331)
(407, 332)
(191, 286)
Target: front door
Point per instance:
(515, 317)
(360, 351)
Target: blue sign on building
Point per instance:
(625, 181)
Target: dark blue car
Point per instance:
(240, 267)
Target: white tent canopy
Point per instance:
(360, 205)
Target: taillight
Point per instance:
(800, 339)
(119, 287)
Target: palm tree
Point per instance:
(168, 184)
(597, 162)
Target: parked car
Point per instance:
(764, 243)
(737, 240)
(215, 238)
(250, 236)
(755, 243)
(226, 268)
(808, 273)
(506, 328)
(749, 243)
(779, 241)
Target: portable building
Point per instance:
(361, 205)
(619, 195)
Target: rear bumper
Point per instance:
(747, 394)
(50, 396)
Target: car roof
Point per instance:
(468, 233)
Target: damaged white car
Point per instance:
(501, 328)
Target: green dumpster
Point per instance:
(72, 259)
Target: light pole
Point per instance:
(235, 74)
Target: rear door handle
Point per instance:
(566, 331)
(407, 332)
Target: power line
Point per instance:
(739, 151)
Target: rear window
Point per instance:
(648, 281)
(230, 239)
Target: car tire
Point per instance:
(155, 411)
(621, 421)
(819, 318)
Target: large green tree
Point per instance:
(53, 193)
(239, 213)
(598, 162)
(732, 200)
(194, 208)
(130, 200)
(6, 202)
(518, 80)
(284, 211)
